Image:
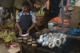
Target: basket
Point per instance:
(7, 45)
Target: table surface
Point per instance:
(73, 36)
(71, 45)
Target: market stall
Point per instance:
(56, 38)
(71, 43)
(53, 41)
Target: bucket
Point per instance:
(39, 20)
(50, 25)
(7, 45)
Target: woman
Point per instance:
(26, 20)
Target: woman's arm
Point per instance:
(32, 26)
(18, 25)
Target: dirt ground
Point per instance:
(3, 49)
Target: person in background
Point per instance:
(26, 20)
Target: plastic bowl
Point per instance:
(54, 29)
(14, 44)
(74, 31)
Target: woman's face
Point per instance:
(26, 8)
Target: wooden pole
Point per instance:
(62, 15)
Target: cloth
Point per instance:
(31, 13)
(68, 2)
(47, 5)
(14, 49)
(54, 7)
(25, 21)
(72, 2)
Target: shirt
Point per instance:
(31, 13)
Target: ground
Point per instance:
(3, 49)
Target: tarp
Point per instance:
(40, 2)
(6, 3)
(18, 3)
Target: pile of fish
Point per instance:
(52, 40)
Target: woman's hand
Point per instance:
(20, 32)
(31, 27)
(28, 31)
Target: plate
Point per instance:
(25, 35)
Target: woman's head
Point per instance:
(25, 6)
